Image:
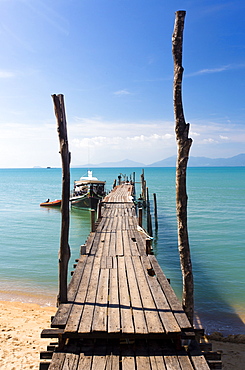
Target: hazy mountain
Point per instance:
(236, 161)
(124, 163)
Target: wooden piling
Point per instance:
(83, 249)
(99, 209)
(140, 217)
(184, 144)
(64, 252)
(155, 210)
(92, 220)
(149, 221)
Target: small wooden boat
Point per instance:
(54, 203)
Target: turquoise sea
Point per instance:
(216, 213)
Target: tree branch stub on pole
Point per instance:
(64, 252)
(184, 144)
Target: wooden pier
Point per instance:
(121, 312)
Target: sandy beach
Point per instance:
(20, 328)
(22, 323)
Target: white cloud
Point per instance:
(6, 74)
(192, 133)
(208, 71)
(142, 141)
(216, 69)
(95, 140)
(122, 92)
(210, 141)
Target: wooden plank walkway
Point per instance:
(112, 355)
(119, 292)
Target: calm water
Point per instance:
(216, 213)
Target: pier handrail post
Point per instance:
(64, 252)
(184, 144)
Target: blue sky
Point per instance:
(112, 60)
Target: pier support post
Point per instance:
(184, 144)
(64, 252)
(83, 249)
(140, 217)
(149, 221)
(148, 246)
(155, 210)
(92, 220)
(99, 209)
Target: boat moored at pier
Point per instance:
(87, 192)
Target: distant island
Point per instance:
(236, 161)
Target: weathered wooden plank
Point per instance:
(170, 295)
(128, 359)
(125, 306)
(126, 218)
(108, 218)
(85, 362)
(140, 242)
(78, 306)
(94, 246)
(168, 319)
(52, 333)
(199, 362)
(100, 312)
(153, 321)
(156, 355)
(119, 221)
(137, 309)
(89, 242)
(112, 249)
(89, 303)
(104, 218)
(100, 243)
(57, 361)
(114, 362)
(157, 362)
(123, 222)
(113, 306)
(103, 261)
(143, 363)
(115, 220)
(133, 243)
(99, 358)
(107, 243)
(119, 243)
(76, 278)
(185, 361)
(109, 262)
(126, 241)
(71, 361)
(61, 316)
(172, 362)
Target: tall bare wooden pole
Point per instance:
(184, 144)
(64, 252)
